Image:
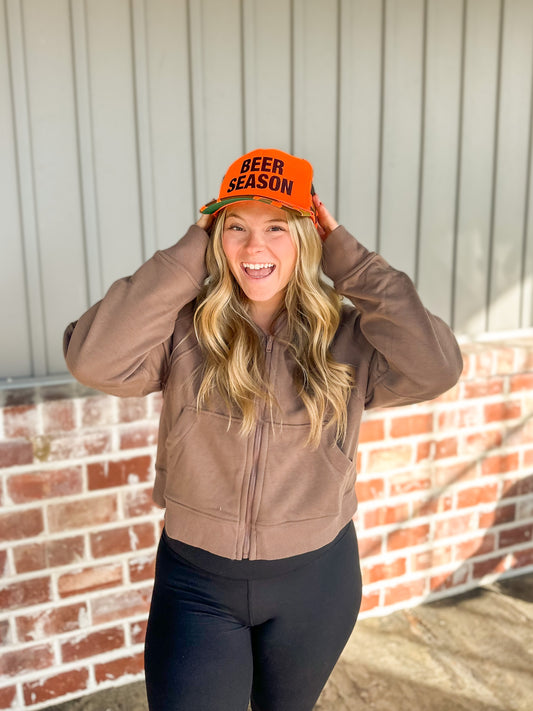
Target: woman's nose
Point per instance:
(255, 241)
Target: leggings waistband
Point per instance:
(249, 569)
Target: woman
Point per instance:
(265, 374)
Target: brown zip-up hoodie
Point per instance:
(264, 496)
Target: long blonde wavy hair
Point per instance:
(232, 344)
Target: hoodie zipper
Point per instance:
(258, 436)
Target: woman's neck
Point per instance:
(263, 314)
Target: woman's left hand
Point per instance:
(326, 222)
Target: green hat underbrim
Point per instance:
(216, 205)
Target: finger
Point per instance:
(205, 221)
(325, 219)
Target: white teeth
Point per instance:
(256, 266)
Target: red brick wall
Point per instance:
(446, 487)
(446, 492)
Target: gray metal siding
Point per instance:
(119, 117)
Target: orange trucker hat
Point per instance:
(270, 176)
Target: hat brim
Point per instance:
(216, 205)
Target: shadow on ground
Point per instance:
(472, 652)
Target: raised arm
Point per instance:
(416, 356)
(121, 344)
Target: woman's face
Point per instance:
(261, 255)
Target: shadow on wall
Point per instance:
(507, 537)
(506, 528)
(481, 521)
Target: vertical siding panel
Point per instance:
(25, 168)
(170, 118)
(86, 164)
(512, 166)
(477, 163)
(114, 133)
(526, 306)
(315, 91)
(441, 142)
(15, 354)
(198, 117)
(401, 132)
(267, 74)
(53, 121)
(216, 51)
(142, 110)
(360, 115)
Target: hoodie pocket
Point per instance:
(300, 482)
(206, 463)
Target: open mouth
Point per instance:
(258, 271)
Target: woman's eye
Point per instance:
(236, 228)
(277, 228)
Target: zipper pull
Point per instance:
(269, 344)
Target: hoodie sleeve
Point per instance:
(121, 345)
(414, 354)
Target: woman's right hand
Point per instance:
(205, 222)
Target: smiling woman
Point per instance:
(261, 255)
(265, 374)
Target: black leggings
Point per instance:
(214, 642)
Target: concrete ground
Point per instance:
(473, 652)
